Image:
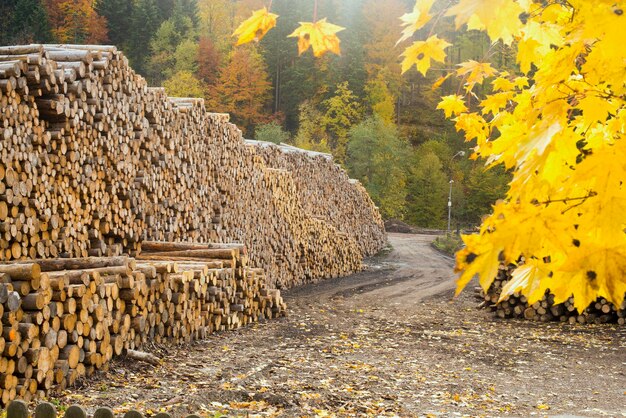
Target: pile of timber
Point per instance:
(66, 318)
(333, 187)
(93, 162)
(545, 310)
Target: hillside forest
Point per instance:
(379, 124)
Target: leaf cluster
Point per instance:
(557, 126)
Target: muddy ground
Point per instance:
(386, 342)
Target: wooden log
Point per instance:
(25, 271)
(57, 264)
(143, 357)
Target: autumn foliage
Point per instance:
(559, 126)
(76, 21)
(242, 88)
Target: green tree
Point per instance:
(382, 33)
(427, 191)
(271, 132)
(312, 134)
(295, 79)
(26, 21)
(164, 9)
(342, 111)
(184, 84)
(380, 99)
(145, 21)
(119, 17)
(482, 188)
(186, 56)
(377, 157)
(164, 46)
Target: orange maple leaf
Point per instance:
(320, 35)
(255, 27)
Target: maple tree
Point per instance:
(559, 128)
(76, 21)
(208, 60)
(242, 88)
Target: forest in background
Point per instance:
(381, 125)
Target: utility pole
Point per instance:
(460, 153)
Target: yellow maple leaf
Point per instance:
(320, 35)
(596, 108)
(417, 19)
(474, 126)
(495, 102)
(475, 72)
(527, 53)
(440, 81)
(255, 27)
(499, 17)
(422, 52)
(452, 104)
(479, 257)
(521, 82)
(526, 278)
(502, 84)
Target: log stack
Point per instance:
(127, 216)
(93, 162)
(545, 310)
(333, 187)
(66, 318)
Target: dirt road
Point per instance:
(385, 342)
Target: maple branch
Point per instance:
(542, 8)
(269, 7)
(580, 199)
(445, 9)
(315, 12)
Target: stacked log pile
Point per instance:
(545, 310)
(66, 318)
(332, 186)
(93, 162)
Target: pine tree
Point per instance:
(24, 21)
(119, 16)
(145, 21)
